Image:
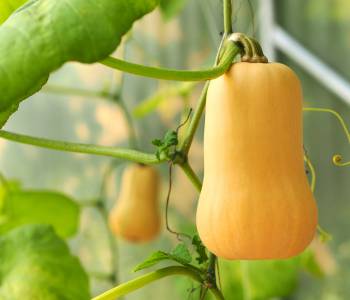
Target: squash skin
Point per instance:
(135, 216)
(255, 202)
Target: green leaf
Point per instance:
(179, 254)
(166, 145)
(7, 7)
(44, 34)
(309, 262)
(200, 249)
(171, 8)
(152, 260)
(21, 207)
(36, 264)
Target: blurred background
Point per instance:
(312, 37)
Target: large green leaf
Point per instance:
(36, 264)
(42, 35)
(19, 207)
(7, 7)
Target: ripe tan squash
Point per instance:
(256, 202)
(135, 216)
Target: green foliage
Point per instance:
(78, 30)
(19, 207)
(180, 254)
(310, 264)
(165, 147)
(202, 256)
(36, 264)
(171, 8)
(7, 7)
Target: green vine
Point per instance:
(120, 153)
(146, 279)
(177, 75)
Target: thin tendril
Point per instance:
(311, 169)
(170, 186)
(324, 236)
(337, 158)
(184, 122)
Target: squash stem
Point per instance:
(192, 176)
(227, 17)
(146, 279)
(171, 74)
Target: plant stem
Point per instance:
(171, 74)
(227, 17)
(191, 175)
(146, 279)
(141, 281)
(192, 128)
(127, 154)
(211, 269)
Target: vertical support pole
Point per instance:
(267, 25)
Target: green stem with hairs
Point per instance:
(227, 17)
(171, 74)
(191, 175)
(120, 153)
(146, 279)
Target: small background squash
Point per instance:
(135, 216)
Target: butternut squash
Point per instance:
(135, 216)
(256, 202)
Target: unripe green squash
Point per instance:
(256, 202)
(135, 216)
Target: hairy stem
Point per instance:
(171, 74)
(191, 175)
(146, 279)
(73, 91)
(127, 154)
(192, 128)
(227, 17)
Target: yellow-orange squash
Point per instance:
(135, 216)
(256, 202)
